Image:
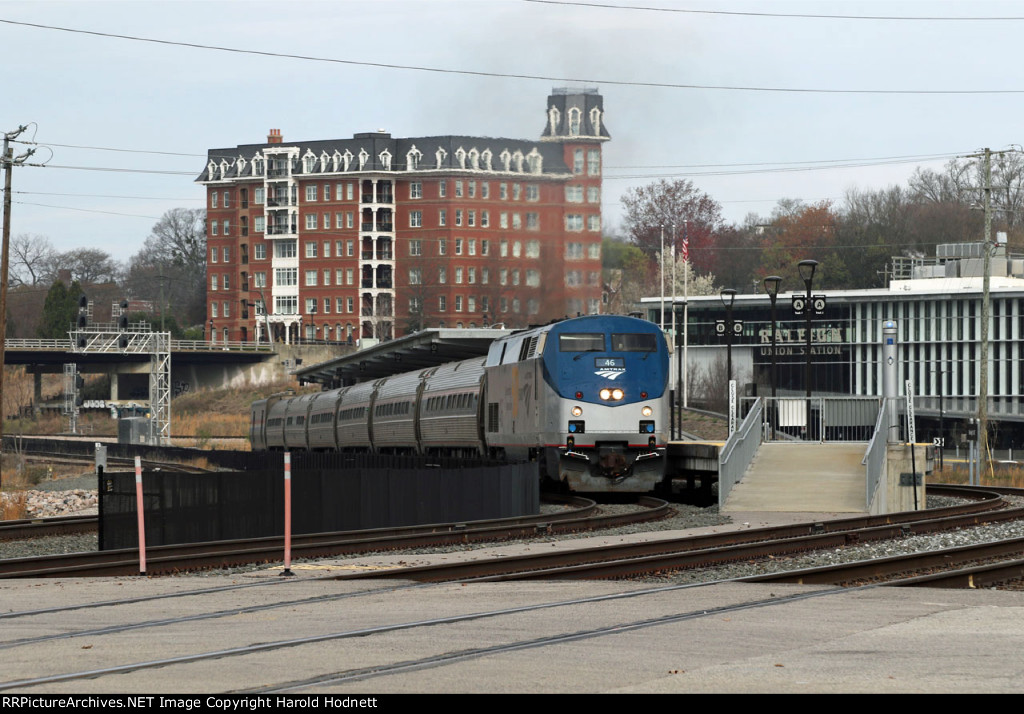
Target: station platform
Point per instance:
(802, 477)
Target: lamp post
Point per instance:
(806, 269)
(213, 337)
(771, 286)
(728, 296)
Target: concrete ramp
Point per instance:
(803, 477)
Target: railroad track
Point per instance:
(630, 560)
(581, 516)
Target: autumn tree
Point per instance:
(679, 209)
(802, 232)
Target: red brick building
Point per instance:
(374, 237)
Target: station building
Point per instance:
(937, 306)
(368, 238)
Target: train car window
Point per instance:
(635, 342)
(581, 342)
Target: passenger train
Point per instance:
(587, 397)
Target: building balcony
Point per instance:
(280, 202)
(282, 230)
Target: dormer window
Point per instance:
(336, 159)
(308, 163)
(595, 121)
(554, 117)
(363, 158)
(241, 165)
(535, 161)
(412, 158)
(474, 159)
(257, 166)
(323, 162)
(460, 155)
(385, 159)
(440, 155)
(485, 156)
(506, 159)
(517, 158)
(223, 168)
(347, 158)
(574, 122)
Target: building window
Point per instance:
(458, 276)
(327, 310)
(573, 251)
(471, 274)
(577, 162)
(593, 194)
(213, 255)
(351, 304)
(485, 219)
(259, 280)
(532, 192)
(442, 246)
(213, 199)
(415, 247)
(214, 281)
(416, 189)
(339, 305)
(349, 219)
(533, 278)
(458, 218)
(327, 277)
(485, 276)
(458, 246)
(259, 251)
(415, 276)
(442, 303)
(533, 249)
(472, 218)
(574, 222)
(310, 221)
(286, 305)
(594, 162)
(259, 224)
(286, 277)
(214, 307)
(350, 276)
(458, 189)
(350, 248)
(327, 222)
(311, 248)
(515, 277)
(472, 189)
(594, 251)
(415, 219)
(310, 306)
(516, 191)
(503, 191)
(442, 275)
(214, 228)
(517, 221)
(503, 220)
(593, 223)
(227, 254)
(532, 221)
(458, 303)
(485, 247)
(503, 248)
(285, 248)
(503, 276)
(227, 282)
(311, 193)
(472, 246)
(442, 188)
(442, 217)
(226, 309)
(227, 227)
(574, 194)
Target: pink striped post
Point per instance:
(287, 514)
(142, 520)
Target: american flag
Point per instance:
(686, 246)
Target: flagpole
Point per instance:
(672, 252)
(661, 257)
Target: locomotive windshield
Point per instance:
(581, 342)
(634, 342)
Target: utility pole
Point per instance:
(9, 162)
(986, 156)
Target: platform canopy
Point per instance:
(420, 350)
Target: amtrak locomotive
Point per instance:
(587, 397)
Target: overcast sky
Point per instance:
(83, 90)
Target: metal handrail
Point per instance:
(738, 452)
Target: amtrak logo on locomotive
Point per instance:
(609, 367)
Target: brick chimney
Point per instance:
(274, 137)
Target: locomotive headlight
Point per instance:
(606, 394)
(617, 394)
(646, 411)
(577, 411)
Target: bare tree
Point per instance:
(89, 265)
(32, 260)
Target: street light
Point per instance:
(213, 337)
(728, 296)
(771, 286)
(806, 269)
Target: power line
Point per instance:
(804, 16)
(912, 157)
(87, 210)
(103, 195)
(114, 170)
(503, 75)
(106, 148)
